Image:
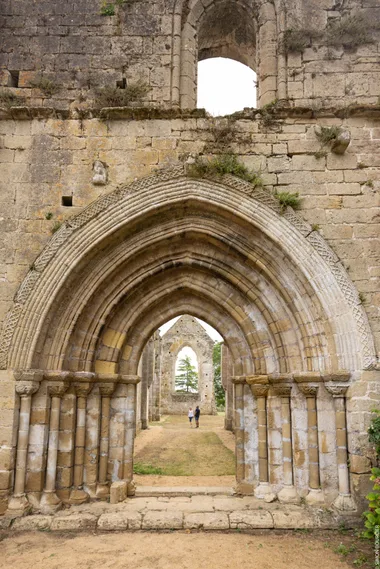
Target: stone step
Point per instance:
(174, 491)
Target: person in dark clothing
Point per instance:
(197, 412)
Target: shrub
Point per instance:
(372, 515)
(295, 40)
(286, 199)
(8, 99)
(222, 165)
(374, 431)
(116, 97)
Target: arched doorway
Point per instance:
(220, 251)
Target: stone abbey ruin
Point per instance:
(124, 206)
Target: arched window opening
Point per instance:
(186, 371)
(225, 86)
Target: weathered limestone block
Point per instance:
(211, 521)
(32, 523)
(119, 521)
(163, 520)
(74, 522)
(251, 520)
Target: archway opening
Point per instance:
(225, 86)
(181, 447)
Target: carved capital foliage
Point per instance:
(308, 390)
(106, 389)
(82, 389)
(26, 388)
(58, 389)
(337, 390)
(282, 390)
(260, 390)
(28, 375)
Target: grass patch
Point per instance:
(116, 97)
(351, 31)
(296, 40)
(48, 87)
(220, 166)
(140, 468)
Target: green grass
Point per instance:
(140, 468)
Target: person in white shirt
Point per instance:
(191, 416)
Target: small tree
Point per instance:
(220, 396)
(187, 376)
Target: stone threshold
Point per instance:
(176, 491)
(198, 512)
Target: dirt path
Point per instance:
(178, 550)
(170, 453)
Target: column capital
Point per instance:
(82, 389)
(282, 389)
(337, 390)
(106, 389)
(129, 379)
(257, 379)
(28, 374)
(339, 375)
(308, 389)
(260, 390)
(26, 388)
(58, 389)
(307, 376)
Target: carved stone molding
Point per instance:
(307, 376)
(282, 390)
(106, 389)
(28, 375)
(85, 376)
(57, 375)
(26, 388)
(107, 377)
(129, 379)
(277, 377)
(239, 379)
(308, 390)
(260, 390)
(340, 375)
(257, 379)
(58, 389)
(337, 390)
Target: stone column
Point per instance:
(106, 390)
(260, 392)
(315, 495)
(239, 383)
(226, 373)
(288, 493)
(344, 500)
(49, 500)
(25, 389)
(131, 382)
(146, 380)
(77, 494)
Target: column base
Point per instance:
(264, 492)
(49, 503)
(78, 496)
(288, 495)
(102, 491)
(315, 498)
(131, 488)
(18, 505)
(118, 491)
(91, 490)
(344, 503)
(244, 488)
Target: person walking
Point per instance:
(196, 415)
(191, 416)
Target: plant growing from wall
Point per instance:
(351, 31)
(116, 97)
(287, 199)
(297, 39)
(8, 99)
(221, 165)
(186, 379)
(48, 87)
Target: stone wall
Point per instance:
(79, 50)
(187, 332)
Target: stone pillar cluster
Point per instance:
(92, 474)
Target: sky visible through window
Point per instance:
(225, 86)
